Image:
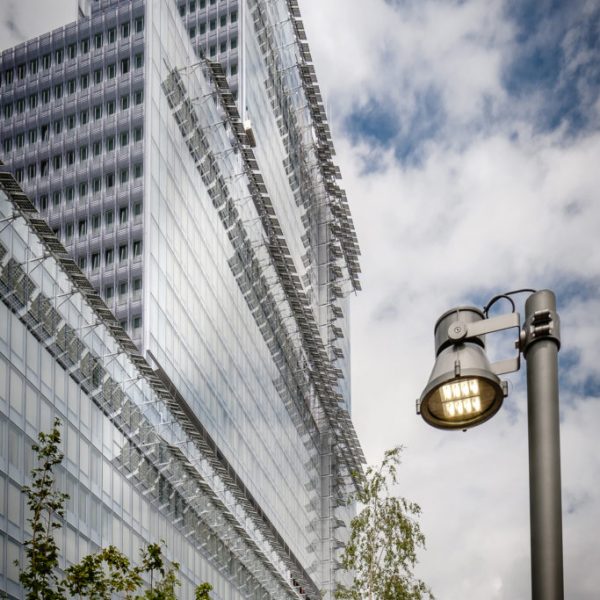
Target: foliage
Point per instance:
(40, 578)
(97, 576)
(384, 538)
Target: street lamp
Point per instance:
(464, 390)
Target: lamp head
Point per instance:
(462, 390)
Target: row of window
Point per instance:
(43, 134)
(212, 26)
(194, 5)
(212, 51)
(110, 179)
(70, 51)
(70, 87)
(109, 256)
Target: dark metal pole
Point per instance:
(541, 342)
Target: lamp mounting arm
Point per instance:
(460, 331)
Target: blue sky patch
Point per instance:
(556, 59)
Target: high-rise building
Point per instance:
(180, 158)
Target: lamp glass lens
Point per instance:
(462, 399)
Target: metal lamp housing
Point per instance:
(462, 391)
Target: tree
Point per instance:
(384, 538)
(40, 578)
(97, 576)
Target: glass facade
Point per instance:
(198, 195)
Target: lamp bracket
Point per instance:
(461, 331)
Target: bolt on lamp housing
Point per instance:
(463, 390)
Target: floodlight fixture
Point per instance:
(464, 390)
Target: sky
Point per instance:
(468, 135)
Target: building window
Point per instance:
(57, 162)
(70, 121)
(46, 61)
(97, 148)
(182, 10)
(202, 28)
(20, 140)
(233, 69)
(21, 71)
(69, 193)
(109, 218)
(123, 215)
(20, 105)
(213, 50)
(123, 253)
(223, 20)
(58, 56)
(8, 109)
(202, 3)
(33, 100)
(124, 66)
(56, 198)
(233, 16)
(45, 132)
(137, 171)
(31, 171)
(137, 248)
(58, 91)
(97, 75)
(71, 86)
(8, 76)
(85, 46)
(110, 180)
(125, 30)
(136, 322)
(137, 286)
(83, 189)
(72, 51)
(46, 96)
(110, 107)
(109, 257)
(95, 222)
(212, 25)
(95, 261)
(32, 135)
(70, 157)
(124, 138)
(69, 231)
(43, 202)
(139, 97)
(57, 126)
(82, 262)
(7, 145)
(83, 153)
(108, 292)
(112, 35)
(84, 81)
(223, 47)
(139, 24)
(97, 111)
(137, 134)
(111, 71)
(82, 228)
(110, 143)
(137, 209)
(124, 102)
(19, 174)
(84, 117)
(98, 41)
(124, 176)
(44, 167)
(192, 31)
(139, 60)
(96, 185)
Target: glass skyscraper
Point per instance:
(176, 291)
